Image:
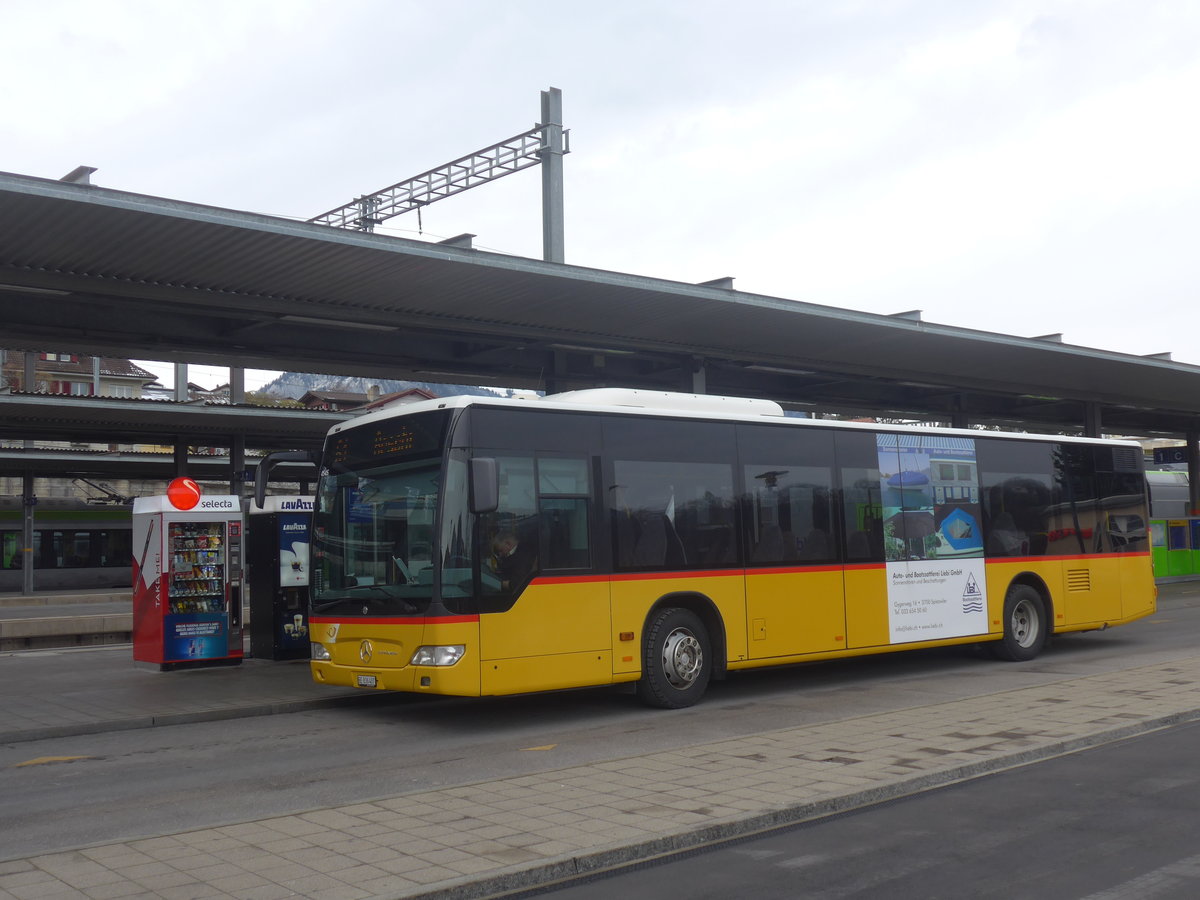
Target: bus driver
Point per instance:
(512, 560)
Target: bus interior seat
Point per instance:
(625, 533)
(859, 545)
(657, 542)
(770, 546)
(816, 545)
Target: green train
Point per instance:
(76, 545)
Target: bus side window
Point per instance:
(563, 513)
(861, 496)
(788, 513)
(672, 514)
(1017, 479)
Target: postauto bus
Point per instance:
(478, 546)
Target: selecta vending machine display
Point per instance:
(187, 573)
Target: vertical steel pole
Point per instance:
(1193, 465)
(27, 510)
(237, 385)
(237, 462)
(553, 242)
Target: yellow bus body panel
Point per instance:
(1085, 592)
(866, 606)
(552, 671)
(1139, 594)
(792, 612)
(557, 635)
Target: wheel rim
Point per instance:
(1025, 624)
(682, 658)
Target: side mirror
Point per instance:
(485, 485)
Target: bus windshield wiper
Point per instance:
(374, 592)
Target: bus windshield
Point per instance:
(373, 532)
(373, 522)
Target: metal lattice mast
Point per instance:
(544, 144)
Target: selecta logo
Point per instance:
(183, 493)
(216, 503)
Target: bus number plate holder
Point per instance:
(366, 681)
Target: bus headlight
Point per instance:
(442, 655)
(320, 651)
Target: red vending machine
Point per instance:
(187, 578)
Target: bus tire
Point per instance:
(677, 660)
(1025, 625)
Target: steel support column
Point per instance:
(237, 462)
(958, 415)
(237, 385)
(553, 241)
(181, 457)
(27, 509)
(1193, 465)
(1091, 419)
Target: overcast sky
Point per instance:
(1017, 167)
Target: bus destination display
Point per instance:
(393, 440)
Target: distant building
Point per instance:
(412, 395)
(338, 401)
(332, 400)
(75, 375)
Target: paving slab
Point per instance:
(478, 840)
(481, 839)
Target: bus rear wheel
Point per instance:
(1025, 625)
(677, 660)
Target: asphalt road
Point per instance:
(69, 792)
(1114, 823)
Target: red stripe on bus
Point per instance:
(394, 620)
(726, 573)
(793, 570)
(1071, 557)
(656, 576)
(570, 579)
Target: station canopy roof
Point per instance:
(92, 270)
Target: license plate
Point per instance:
(366, 681)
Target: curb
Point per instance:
(66, 626)
(134, 723)
(18, 601)
(578, 869)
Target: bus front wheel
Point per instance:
(677, 660)
(1025, 625)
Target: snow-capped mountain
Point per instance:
(296, 384)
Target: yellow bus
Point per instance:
(477, 546)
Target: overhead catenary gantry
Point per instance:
(544, 145)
